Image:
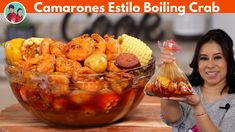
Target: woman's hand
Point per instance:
(165, 57)
(192, 100)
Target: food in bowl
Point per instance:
(80, 83)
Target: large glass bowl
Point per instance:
(79, 99)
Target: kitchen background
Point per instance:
(185, 30)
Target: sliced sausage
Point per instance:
(127, 61)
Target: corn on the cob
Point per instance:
(33, 40)
(137, 47)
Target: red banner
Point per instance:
(124, 6)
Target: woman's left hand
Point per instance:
(192, 100)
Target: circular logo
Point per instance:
(15, 12)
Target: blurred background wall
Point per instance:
(48, 23)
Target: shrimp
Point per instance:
(31, 63)
(119, 81)
(80, 48)
(32, 78)
(58, 83)
(39, 63)
(82, 79)
(97, 38)
(100, 44)
(112, 67)
(30, 51)
(45, 45)
(18, 63)
(113, 48)
(60, 104)
(34, 47)
(90, 86)
(37, 98)
(81, 75)
(44, 63)
(14, 73)
(86, 70)
(56, 48)
(107, 100)
(67, 65)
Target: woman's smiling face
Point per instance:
(19, 13)
(212, 64)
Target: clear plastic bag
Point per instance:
(169, 79)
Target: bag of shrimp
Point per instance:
(169, 80)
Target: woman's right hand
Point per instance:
(165, 57)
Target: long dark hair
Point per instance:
(19, 9)
(226, 44)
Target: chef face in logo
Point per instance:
(15, 12)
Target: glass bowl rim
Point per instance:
(152, 61)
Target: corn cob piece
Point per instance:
(27, 49)
(137, 47)
(33, 40)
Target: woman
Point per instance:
(212, 107)
(19, 16)
(11, 16)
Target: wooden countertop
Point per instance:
(144, 118)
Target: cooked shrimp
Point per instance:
(56, 48)
(58, 83)
(33, 61)
(113, 48)
(29, 77)
(80, 48)
(67, 65)
(107, 100)
(100, 43)
(30, 51)
(34, 47)
(91, 86)
(38, 99)
(112, 67)
(97, 38)
(58, 78)
(46, 63)
(86, 70)
(37, 63)
(18, 63)
(81, 76)
(14, 73)
(45, 45)
(119, 81)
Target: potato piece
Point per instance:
(80, 97)
(12, 49)
(97, 62)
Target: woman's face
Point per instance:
(11, 10)
(212, 65)
(20, 13)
